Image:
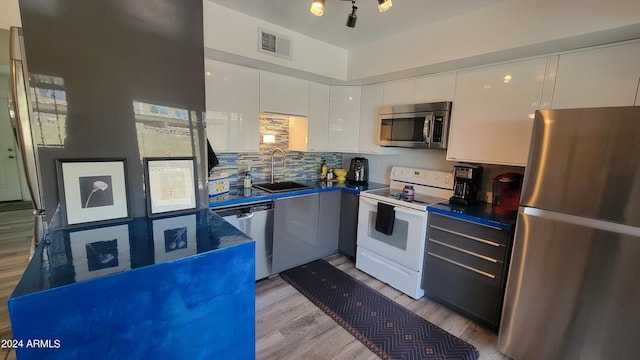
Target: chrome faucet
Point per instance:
(273, 153)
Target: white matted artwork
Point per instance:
(99, 252)
(92, 190)
(171, 185)
(174, 237)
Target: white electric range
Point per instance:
(397, 258)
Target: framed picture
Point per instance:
(99, 252)
(92, 190)
(170, 185)
(174, 237)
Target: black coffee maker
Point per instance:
(466, 186)
(358, 170)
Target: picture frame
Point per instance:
(170, 185)
(174, 237)
(92, 190)
(101, 251)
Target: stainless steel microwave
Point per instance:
(415, 126)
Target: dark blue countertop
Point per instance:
(480, 213)
(68, 256)
(240, 195)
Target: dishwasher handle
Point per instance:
(242, 212)
(245, 216)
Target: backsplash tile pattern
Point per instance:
(298, 165)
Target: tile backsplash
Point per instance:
(298, 165)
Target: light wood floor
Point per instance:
(16, 232)
(288, 326)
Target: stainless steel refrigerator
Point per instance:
(573, 290)
(107, 79)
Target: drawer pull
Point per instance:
(465, 251)
(462, 265)
(485, 241)
(470, 222)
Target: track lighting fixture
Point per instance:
(317, 9)
(351, 19)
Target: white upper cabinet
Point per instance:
(434, 88)
(232, 100)
(281, 94)
(318, 117)
(398, 92)
(606, 76)
(369, 104)
(493, 110)
(425, 89)
(344, 118)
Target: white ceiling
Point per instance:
(371, 25)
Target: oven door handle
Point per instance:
(409, 211)
(368, 201)
(395, 208)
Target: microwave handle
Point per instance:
(426, 130)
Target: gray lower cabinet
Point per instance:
(466, 266)
(328, 223)
(305, 228)
(348, 224)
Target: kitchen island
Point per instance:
(173, 287)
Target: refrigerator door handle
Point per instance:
(582, 221)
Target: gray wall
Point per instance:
(104, 55)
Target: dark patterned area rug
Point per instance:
(386, 328)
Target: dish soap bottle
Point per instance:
(323, 169)
(247, 178)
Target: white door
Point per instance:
(9, 175)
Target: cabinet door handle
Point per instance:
(490, 276)
(485, 241)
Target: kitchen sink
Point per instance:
(282, 186)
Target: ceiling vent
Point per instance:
(274, 44)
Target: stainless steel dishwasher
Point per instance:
(255, 220)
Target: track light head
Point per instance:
(317, 7)
(351, 19)
(384, 5)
